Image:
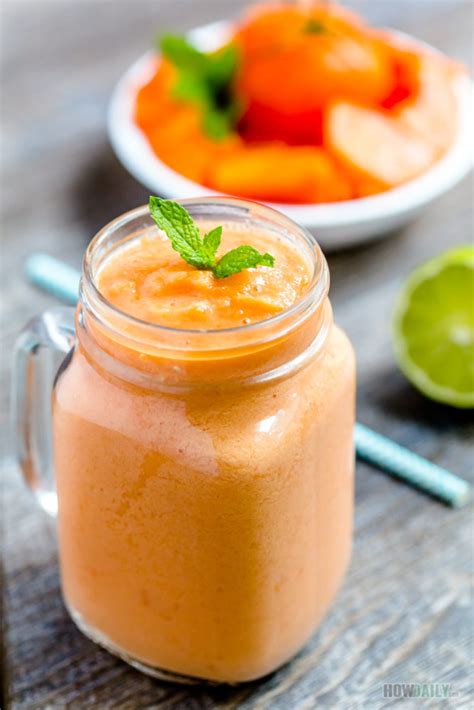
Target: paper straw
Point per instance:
(62, 281)
(410, 467)
(54, 276)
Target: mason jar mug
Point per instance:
(203, 479)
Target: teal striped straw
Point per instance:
(410, 467)
(54, 276)
(62, 281)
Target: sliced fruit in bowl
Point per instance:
(350, 131)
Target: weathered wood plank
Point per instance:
(403, 614)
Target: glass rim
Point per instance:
(312, 297)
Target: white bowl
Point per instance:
(335, 225)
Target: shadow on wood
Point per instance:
(391, 392)
(104, 191)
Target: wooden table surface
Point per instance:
(403, 613)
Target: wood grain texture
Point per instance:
(403, 615)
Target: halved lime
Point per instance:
(433, 328)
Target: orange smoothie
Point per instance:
(203, 452)
(152, 282)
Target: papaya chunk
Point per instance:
(154, 99)
(279, 173)
(182, 145)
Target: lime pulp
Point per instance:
(433, 328)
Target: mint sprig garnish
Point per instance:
(243, 257)
(207, 80)
(200, 252)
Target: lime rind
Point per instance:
(456, 394)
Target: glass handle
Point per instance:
(39, 351)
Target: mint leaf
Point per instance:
(211, 243)
(205, 79)
(222, 66)
(217, 124)
(181, 53)
(179, 227)
(189, 87)
(243, 257)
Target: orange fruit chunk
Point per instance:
(433, 112)
(288, 73)
(406, 62)
(377, 151)
(180, 142)
(279, 173)
(174, 127)
(154, 99)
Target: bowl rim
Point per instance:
(135, 153)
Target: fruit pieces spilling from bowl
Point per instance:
(305, 104)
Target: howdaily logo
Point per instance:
(417, 690)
